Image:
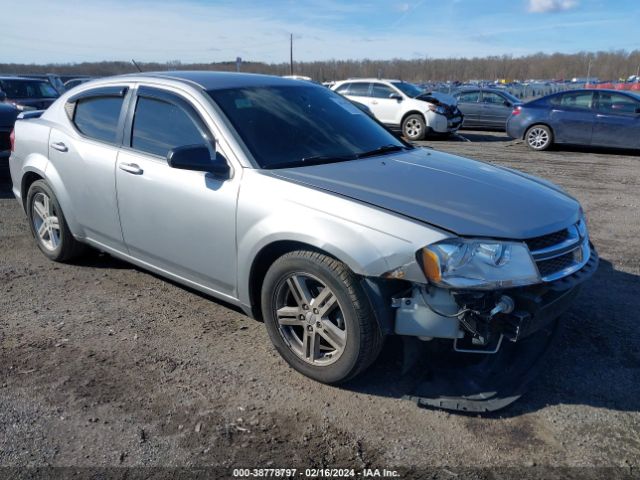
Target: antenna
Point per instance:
(136, 65)
(291, 54)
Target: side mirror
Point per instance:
(198, 158)
(638, 110)
(395, 96)
(3, 96)
(507, 103)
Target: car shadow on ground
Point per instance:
(595, 360)
(596, 150)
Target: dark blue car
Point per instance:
(603, 118)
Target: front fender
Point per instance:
(368, 240)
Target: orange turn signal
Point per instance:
(431, 265)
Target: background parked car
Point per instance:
(28, 93)
(486, 107)
(604, 118)
(55, 80)
(74, 82)
(404, 106)
(8, 114)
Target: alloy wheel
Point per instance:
(538, 138)
(413, 128)
(310, 319)
(45, 221)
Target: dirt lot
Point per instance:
(102, 364)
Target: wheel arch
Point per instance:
(264, 259)
(414, 112)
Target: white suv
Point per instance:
(404, 106)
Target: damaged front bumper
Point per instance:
(514, 343)
(431, 312)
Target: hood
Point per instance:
(438, 98)
(467, 197)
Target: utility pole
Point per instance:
(589, 73)
(291, 54)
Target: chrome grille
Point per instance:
(560, 253)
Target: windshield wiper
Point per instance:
(320, 159)
(381, 151)
(314, 160)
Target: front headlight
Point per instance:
(479, 264)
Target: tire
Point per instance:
(414, 127)
(48, 224)
(319, 317)
(539, 137)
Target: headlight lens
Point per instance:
(479, 264)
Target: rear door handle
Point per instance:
(131, 168)
(61, 147)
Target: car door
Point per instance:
(469, 104)
(382, 105)
(180, 221)
(495, 110)
(617, 121)
(84, 156)
(572, 117)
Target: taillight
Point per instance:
(516, 111)
(12, 140)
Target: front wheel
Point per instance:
(318, 317)
(414, 127)
(539, 137)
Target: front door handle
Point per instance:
(131, 168)
(60, 146)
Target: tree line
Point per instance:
(609, 65)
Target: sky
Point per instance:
(44, 31)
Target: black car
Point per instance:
(487, 108)
(28, 93)
(8, 114)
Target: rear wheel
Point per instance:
(48, 224)
(414, 127)
(539, 137)
(318, 317)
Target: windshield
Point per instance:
(289, 126)
(28, 89)
(409, 89)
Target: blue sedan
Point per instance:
(603, 118)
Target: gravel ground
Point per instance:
(105, 365)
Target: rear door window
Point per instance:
(97, 117)
(159, 126)
(578, 100)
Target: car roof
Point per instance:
(217, 80)
(371, 80)
(22, 79)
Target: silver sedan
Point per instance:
(285, 199)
